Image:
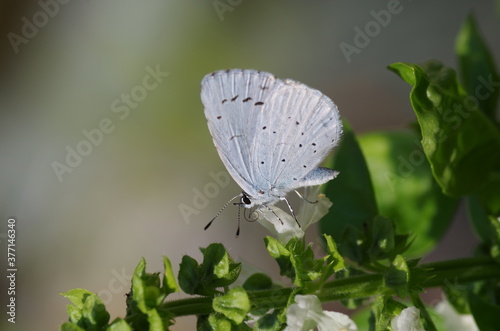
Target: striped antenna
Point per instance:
(220, 211)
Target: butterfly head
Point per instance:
(245, 201)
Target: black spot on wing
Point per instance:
(247, 99)
(236, 97)
(219, 117)
(225, 100)
(258, 103)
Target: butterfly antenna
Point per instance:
(220, 211)
(238, 230)
(291, 210)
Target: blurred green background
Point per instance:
(124, 199)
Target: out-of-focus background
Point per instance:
(105, 156)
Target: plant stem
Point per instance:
(427, 275)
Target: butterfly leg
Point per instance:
(291, 210)
(272, 211)
(303, 198)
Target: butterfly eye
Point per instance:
(245, 199)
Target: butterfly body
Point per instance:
(271, 134)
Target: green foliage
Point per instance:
(86, 313)
(398, 277)
(382, 311)
(217, 270)
(454, 133)
(352, 191)
(297, 262)
(234, 305)
(405, 188)
(476, 65)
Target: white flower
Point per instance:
(407, 320)
(306, 314)
(285, 226)
(453, 320)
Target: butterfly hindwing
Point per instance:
(301, 127)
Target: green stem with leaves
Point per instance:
(427, 275)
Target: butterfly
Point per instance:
(271, 134)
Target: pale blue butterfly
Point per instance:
(271, 134)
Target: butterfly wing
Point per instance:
(233, 101)
(270, 134)
(302, 125)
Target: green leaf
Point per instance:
(398, 277)
(169, 283)
(354, 245)
(269, 322)
(383, 309)
(454, 133)
(235, 305)
(219, 266)
(203, 324)
(382, 237)
(77, 296)
(219, 322)
(306, 267)
(217, 270)
(88, 310)
(478, 217)
(477, 68)
(94, 312)
(146, 296)
(483, 206)
(189, 279)
(146, 291)
(282, 255)
(258, 281)
(297, 262)
(66, 326)
(485, 313)
(456, 295)
(119, 324)
(334, 260)
(351, 192)
(405, 188)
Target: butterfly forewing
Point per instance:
(233, 100)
